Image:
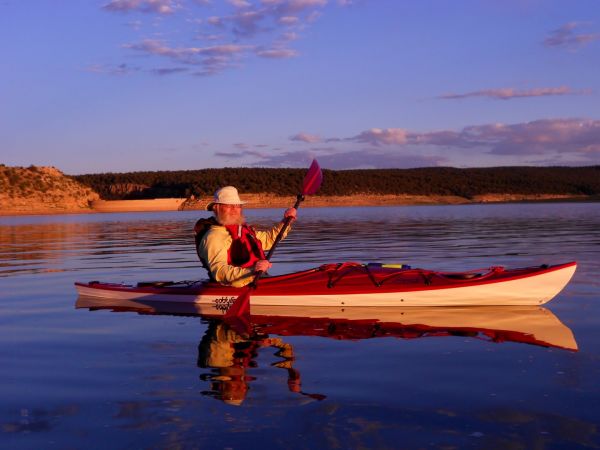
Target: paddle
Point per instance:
(310, 185)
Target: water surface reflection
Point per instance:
(230, 347)
(71, 377)
(231, 356)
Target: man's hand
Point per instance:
(290, 212)
(262, 266)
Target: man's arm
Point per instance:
(267, 238)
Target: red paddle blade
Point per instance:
(313, 179)
(240, 307)
(241, 325)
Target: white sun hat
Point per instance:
(227, 195)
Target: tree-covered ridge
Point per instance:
(423, 181)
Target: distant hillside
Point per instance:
(41, 190)
(445, 181)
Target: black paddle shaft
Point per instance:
(286, 224)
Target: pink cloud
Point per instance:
(149, 6)
(289, 36)
(288, 20)
(225, 49)
(540, 136)
(378, 136)
(354, 159)
(239, 3)
(510, 93)
(570, 139)
(574, 136)
(213, 59)
(169, 70)
(121, 69)
(215, 21)
(566, 36)
(277, 21)
(249, 20)
(229, 154)
(305, 137)
(242, 154)
(291, 7)
(247, 23)
(570, 136)
(277, 53)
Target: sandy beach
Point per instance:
(158, 204)
(265, 200)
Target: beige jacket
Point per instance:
(213, 249)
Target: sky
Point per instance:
(134, 85)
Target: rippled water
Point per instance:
(73, 378)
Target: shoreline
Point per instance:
(260, 201)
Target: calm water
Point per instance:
(76, 378)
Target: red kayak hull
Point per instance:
(353, 284)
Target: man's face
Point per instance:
(229, 214)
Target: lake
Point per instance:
(96, 378)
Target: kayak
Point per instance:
(533, 325)
(352, 284)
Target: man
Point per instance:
(232, 251)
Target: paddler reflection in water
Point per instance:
(230, 355)
(230, 250)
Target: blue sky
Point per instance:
(129, 85)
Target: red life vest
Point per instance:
(245, 248)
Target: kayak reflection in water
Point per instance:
(230, 355)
